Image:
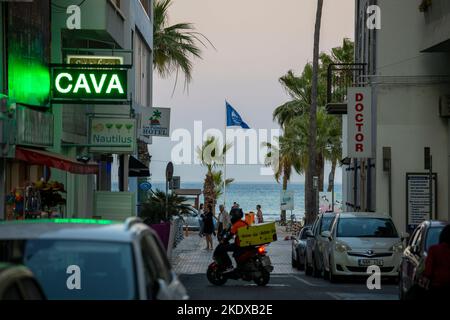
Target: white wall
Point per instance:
(407, 107)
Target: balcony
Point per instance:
(437, 27)
(339, 78)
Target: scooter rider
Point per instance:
(221, 252)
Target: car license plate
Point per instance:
(370, 262)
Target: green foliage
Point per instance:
(174, 46)
(154, 209)
(293, 117)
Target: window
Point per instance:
(433, 237)
(142, 63)
(146, 4)
(366, 228)
(106, 269)
(326, 223)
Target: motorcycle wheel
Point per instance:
(263, 279)
(215, 277)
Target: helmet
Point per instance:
(236, 214)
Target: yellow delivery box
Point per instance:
(257, 234)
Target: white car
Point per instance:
(359, 240)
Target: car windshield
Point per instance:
(366, 228)
(103, 270)
(433, 236)
(326, 223)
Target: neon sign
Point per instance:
(92, 84)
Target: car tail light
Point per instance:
(262, 250)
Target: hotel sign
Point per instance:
(89, 84)
(112, 135)
(359, 123)
(158, 124)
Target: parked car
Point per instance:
(107, 260)
(299, 248)
(315, 243)
(18, 283)
(192, 220)
(413, 260)
(359, 240)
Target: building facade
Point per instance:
(406, 69)
(119, 31)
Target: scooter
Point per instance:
(252, 265)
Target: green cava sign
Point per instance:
(92, 84)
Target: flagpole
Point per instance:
(225, 160)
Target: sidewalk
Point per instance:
(189, 257)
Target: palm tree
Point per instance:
(310, 195)
(174, 46)
(212, 155)
(283, 157)
(219, 183)
(154, 209)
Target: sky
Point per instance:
(256, 42)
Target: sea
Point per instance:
(266, 194)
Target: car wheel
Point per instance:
(316, 272)
(308, 269)
(293, 263)
(300, 265)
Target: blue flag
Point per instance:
(234, 119)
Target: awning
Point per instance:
(137, 169)
(57, 161)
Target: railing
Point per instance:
(341, 76)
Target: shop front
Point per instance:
(31, 191)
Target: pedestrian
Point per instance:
(437, 267)
(259, 214)
(235, 206)
(208, 227)
(224, 221)
(201, 215)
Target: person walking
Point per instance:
(259, 214)
(437, 267)
(224, 221)
(201, 215)
(208, 227)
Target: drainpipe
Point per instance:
(355, 185)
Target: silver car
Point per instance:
(299, 248)
(87, 259)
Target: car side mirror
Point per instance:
(326, 234)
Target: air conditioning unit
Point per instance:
(444, 106)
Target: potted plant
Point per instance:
(153, 212)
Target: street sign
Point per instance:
(145, 186)
(175, 183)
(169, 171)
(91, 84)
(418, 198)
(287, 200)
(94, 60)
